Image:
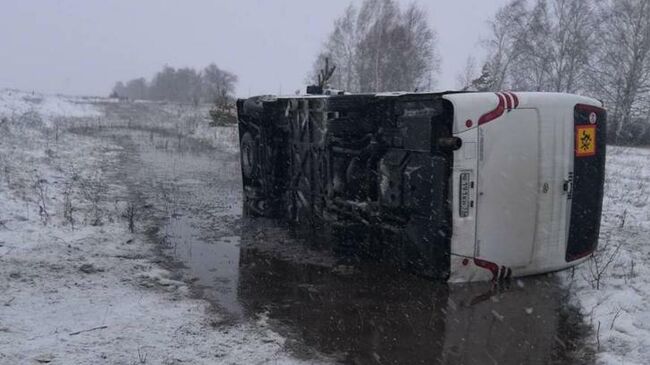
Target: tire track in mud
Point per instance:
(160, 203)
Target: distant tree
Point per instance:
(596, 47)
(465, 79)
(531, 66)
(341, 48)
(187, 86)
(376, 22)
(163, 85)
(119, 91)
(621, 72)
(554, 46)
(136, 89)
(573, 34)
(379, 47)
(505, 29)
(413, 58)
(541, 45)
(218, 86)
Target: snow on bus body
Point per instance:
(513, 183)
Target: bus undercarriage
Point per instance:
(372, 170)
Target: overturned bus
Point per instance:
(458, 185)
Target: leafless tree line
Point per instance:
(212, 85)
(380, 47)
(599, 48)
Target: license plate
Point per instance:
(464, 198)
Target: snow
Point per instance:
(91, 294)
(618, 307)
(197, 125)
(15, 103)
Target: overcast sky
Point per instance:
(82, 47)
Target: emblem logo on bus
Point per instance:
(593, 118)
(585, 144)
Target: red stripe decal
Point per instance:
(494, 114)
(508, 101)
(491, 266)
(515, 98)
(590, 108)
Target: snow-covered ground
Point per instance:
(76, 286)
(613, 288)
(33, 106)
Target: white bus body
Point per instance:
(520, 163)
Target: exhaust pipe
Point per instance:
(450, 143)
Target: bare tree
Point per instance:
(163, 85)
(187, 85)
(377, 23)
(505, 30)
(341, 47)
(465, 79)
(542, 46)
(531, 69)
(136, 89)
(219, 86)
(119, 90)
(326, 74)
(380, 47)
(621, 73)
(212, 85)
(572, 34)
(598, 47)
(419, 62)
(133, 89)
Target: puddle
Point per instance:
(359, 314)
(371, 314)
(375, 317)
(215, 264)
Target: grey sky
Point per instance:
(84, 46)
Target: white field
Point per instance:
(46, 108)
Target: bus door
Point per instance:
(508, 188)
